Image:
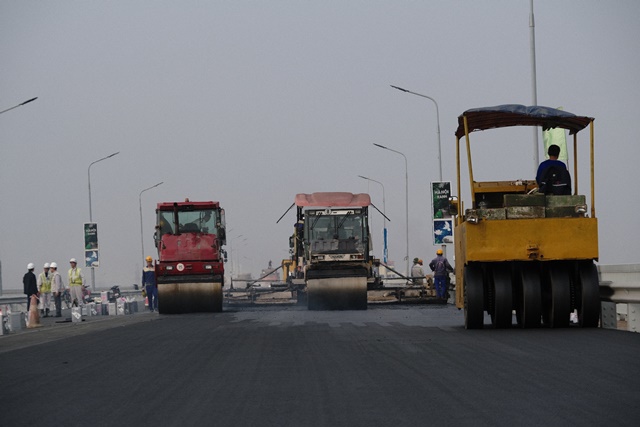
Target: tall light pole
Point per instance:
(93, 271)
(19, 105)
(444, 246)
(4, 111)
(233, 264)
(437, 124)
(140, 202)
(534, 90)
(406, 186)
(385, 252)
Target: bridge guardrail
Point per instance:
(620, 295)
(18, 302)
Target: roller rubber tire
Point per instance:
(501, 315)
(473, 297)
(588, 295)
(528, 296)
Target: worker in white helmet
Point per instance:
(30, 284)
(44, 287)
(57, 287)
(76, 282)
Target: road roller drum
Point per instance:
(176, 298)
(345, 293)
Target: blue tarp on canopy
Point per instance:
(520, 115)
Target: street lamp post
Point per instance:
(385, 252)
(140, 203)
(406, 185)
(444, 246)
(19, 105)
(93, 271)
(233, 264)
(437, 124)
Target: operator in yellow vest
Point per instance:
(76, 282)
(44, 287)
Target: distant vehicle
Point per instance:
(520, 250)
(190, 267)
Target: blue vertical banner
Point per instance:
(91, 256)
(442, 219)
(385, 252)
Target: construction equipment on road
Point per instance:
(518, 249)
(190, 267)
(331, 265)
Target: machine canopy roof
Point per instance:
(333, 200)
(520, 115)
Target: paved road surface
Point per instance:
(285, 366)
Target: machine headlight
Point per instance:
(473, 219)
(169, 267)
(581, 209)
(208, 267)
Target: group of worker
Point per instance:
(439, 266)
(49, 285)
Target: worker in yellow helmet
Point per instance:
(150, 285)
(441, 269)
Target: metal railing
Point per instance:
(18, 302)
(620, 296)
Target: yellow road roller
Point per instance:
(519, 248)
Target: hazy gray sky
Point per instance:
(251, 102)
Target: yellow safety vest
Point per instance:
(74, 277)
(45, 283)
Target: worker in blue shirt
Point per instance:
(149, 282)
(554, 171)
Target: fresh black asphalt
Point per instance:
(286, 366)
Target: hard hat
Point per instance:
(415, 260)
(73, 260)
(439, 252)
(149, 259)
(53, 265)
(419, 261)
(46, 265)
(30, 266)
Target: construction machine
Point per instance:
(518, 248)
(190, 267)
(331, 264)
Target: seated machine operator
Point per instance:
(552, 176)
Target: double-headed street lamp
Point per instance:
(385, 252)
(140, 202)
(406, 185)
(93, 272)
